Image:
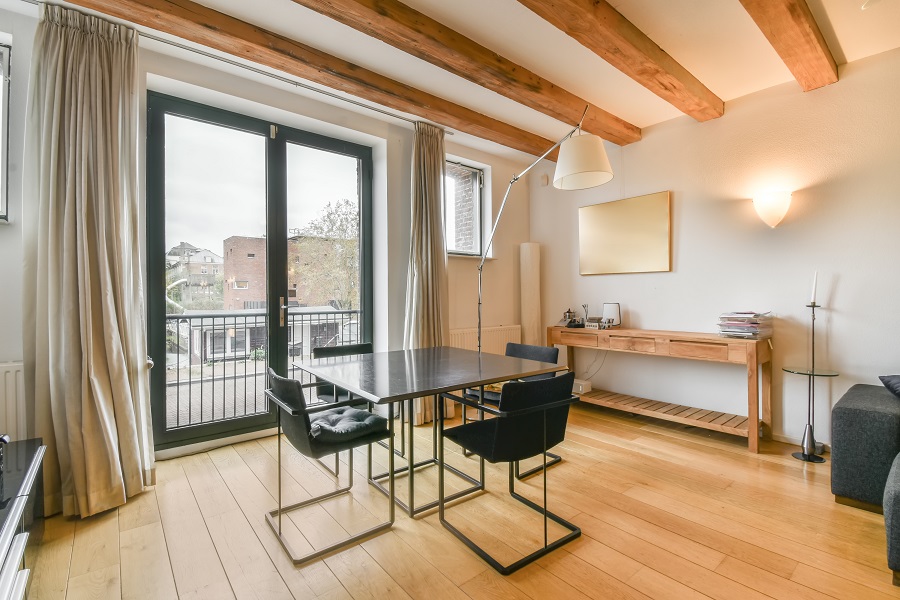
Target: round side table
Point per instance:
(808, 444)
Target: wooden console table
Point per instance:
(756, 354)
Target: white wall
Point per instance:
(500, 285)
(838, 149)
(22, 30)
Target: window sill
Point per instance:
(469, 257)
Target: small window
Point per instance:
(207, 259)
(4, 121)
(462, 209)
(251, 255)
(241, 285)
(204, 270)
(215, 270)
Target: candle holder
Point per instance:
(809, 449)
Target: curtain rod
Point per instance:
(259, 71)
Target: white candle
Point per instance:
(815, 280)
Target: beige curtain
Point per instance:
(84, 325)
(427, 294)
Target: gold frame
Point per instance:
(633, 235)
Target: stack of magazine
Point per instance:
(748, 325)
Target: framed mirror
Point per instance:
(633, 235)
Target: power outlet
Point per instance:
(581, 386)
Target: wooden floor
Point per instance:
(667, 512)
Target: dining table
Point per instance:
(398, 376)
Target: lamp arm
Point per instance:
(516, 178)
(490, 241)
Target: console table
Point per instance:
(755, 354)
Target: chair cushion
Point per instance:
(345, 423)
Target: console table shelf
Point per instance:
(707, 419)
(754, 355)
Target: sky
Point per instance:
(216, 183)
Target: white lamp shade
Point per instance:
(582, 163)
(612, 313)
(772, 206)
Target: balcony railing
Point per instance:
(216, 361)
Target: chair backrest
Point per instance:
(345, 350)
(548, 354)
(520, 437)
(296, 427)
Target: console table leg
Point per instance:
(767, 398)
(752, 400)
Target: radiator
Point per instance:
(493, 339)
(12, 400)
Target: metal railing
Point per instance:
(216, 361)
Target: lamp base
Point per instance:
(808, 457)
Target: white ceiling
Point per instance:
(716, 40)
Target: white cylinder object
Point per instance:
(530, 292)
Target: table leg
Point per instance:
(752, 400)
(767, 399)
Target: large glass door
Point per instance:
(257, 252)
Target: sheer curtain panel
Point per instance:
(427, 293)
(86, 366)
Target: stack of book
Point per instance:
(747, 325)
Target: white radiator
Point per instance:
(493, 339)
(12, 400)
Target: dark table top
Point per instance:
(385, 377)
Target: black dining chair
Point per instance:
(323, 430)
(531, 418)
(331, 392)
(549, 354)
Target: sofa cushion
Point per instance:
(865, 438)
(891, 382)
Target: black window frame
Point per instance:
(278, 136)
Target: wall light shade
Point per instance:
(772, 206)
(582, 163)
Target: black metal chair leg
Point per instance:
(555, 459)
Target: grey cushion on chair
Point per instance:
(865, 439)
(345, 423)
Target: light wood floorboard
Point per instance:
(667, 511)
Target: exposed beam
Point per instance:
(792, 30)
(602, 29)
(423, 37)
(196, 23)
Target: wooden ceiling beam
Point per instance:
(421, 36)
(196, 23)
(792, 30)
(603, 30)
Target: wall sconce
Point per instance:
(772, 206)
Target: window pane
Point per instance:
(462, 209)
(215, 225)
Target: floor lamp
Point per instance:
(582, 164)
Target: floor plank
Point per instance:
(666, 511)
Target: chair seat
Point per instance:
(479, 437)
(345, 423)
(489, 396)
